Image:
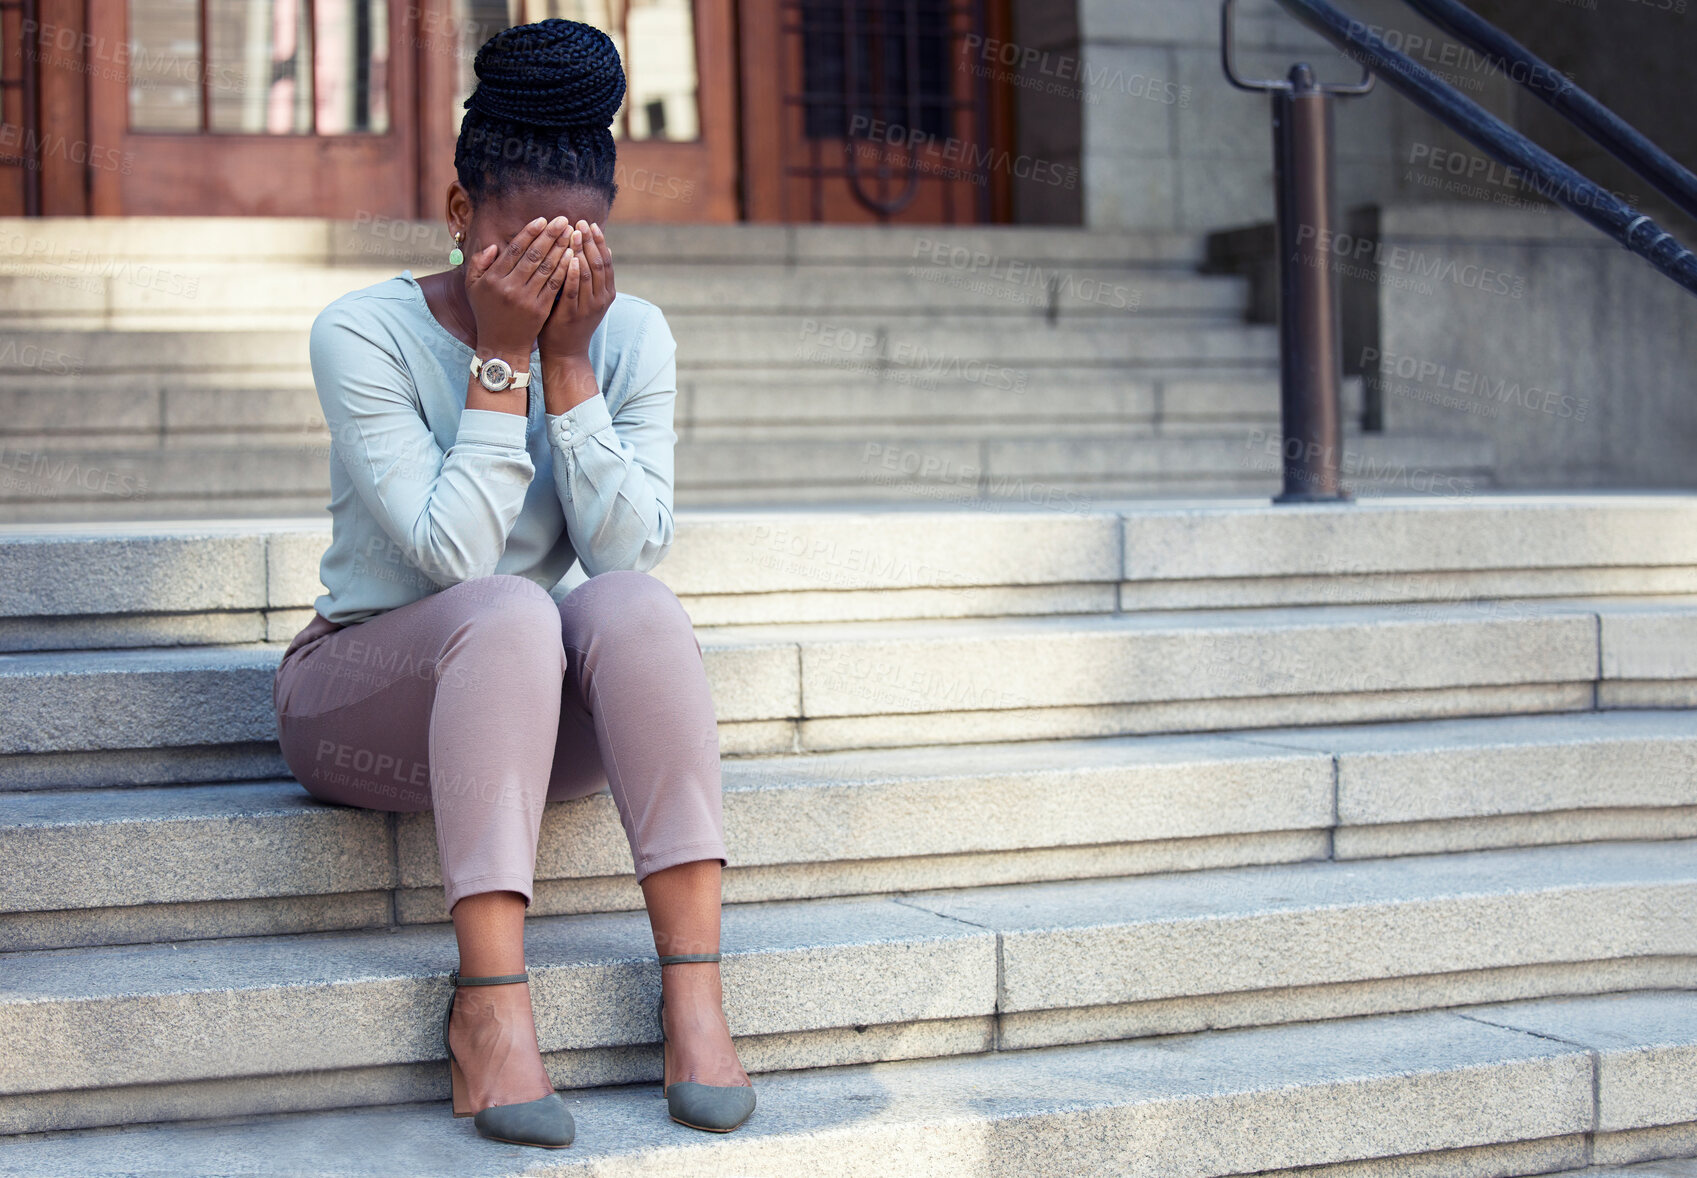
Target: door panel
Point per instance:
(869, 111)
(245, 109)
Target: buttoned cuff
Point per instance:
(586, 418)
(491, 427)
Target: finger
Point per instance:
(607, 257)
(556, 242)
(524, 270)
(574, 280)
(549, 274)
(597, 267)
(516, 248)
(553, 271)
(578, 292)
(477, 265)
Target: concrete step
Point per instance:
(1581, 1085)
(756, 407)
(100, 246)
(145, 584)
(129, 413)
(151, 411)
(826, 686)
(956, 346)
(333, 1019)
(245, 298)
(1063, 474)
(126, 865)
(964, 346)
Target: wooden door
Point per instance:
(45, 148)
(233, 108)
(677, 131)
(871, 111)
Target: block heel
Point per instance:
(545, 1122)
(716, 1108)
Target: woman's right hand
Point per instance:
(511, 288)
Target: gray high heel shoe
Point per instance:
(545, 1121)
(717, 1108)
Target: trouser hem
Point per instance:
(688, 853)
(477, 884)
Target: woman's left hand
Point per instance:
(584, 298)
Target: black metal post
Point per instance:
(1310, 342)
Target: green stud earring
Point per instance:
(455, 257)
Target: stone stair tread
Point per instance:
(140, 565)
(171, 843)
(50, 809)
(1212, 1102)
(113, 698)
(933, 630)
(787, 932)
(1323, 883)
(426, 952)
(948, 630)
(360, 243)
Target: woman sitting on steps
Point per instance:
(492, 424)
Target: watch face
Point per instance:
(497, 374)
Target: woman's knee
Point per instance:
(624, 602)
(506, 607)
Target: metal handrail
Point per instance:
(1605, 128)
(1590, 202)
(1228, 62)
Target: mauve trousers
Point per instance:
(487, 699)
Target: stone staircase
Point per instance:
(1185, 838)
(147, 372)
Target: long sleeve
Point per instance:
(613, 471)
(449, 514)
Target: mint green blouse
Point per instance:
(425, 493)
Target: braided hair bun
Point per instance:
(555, 73)
(546, 97)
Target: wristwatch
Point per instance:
(495, 374)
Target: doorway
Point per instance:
(350, 108)
(872, 111)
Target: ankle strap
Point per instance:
(680, 958)
(490, 981)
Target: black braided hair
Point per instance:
(541, 112)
